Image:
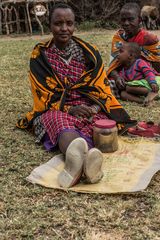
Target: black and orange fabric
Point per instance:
(49, 92)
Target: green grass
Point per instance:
(33, 212)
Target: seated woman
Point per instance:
(140, 79)
(70, 92)
(131, 32)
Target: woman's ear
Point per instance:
(140, 19)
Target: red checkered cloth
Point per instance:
(56, 122)
(68, 63)
(71, 64)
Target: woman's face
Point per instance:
(130, 22)
(62, 26)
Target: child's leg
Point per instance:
(140, 91)
(130, 97)
(150, 97)
(133, 94)
(142, 88)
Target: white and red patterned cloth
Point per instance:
(57, 122)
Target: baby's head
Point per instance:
(129, 52)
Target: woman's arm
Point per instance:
(84, 110)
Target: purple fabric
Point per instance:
(50, 147)
(47, 143)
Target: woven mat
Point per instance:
(129, 169)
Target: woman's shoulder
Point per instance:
(36, 52)
(149, 38)
(120, 33)
(44, 44)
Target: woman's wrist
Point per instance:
(70, 109)
(96, 108)
(67, 108)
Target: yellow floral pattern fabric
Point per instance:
(49, 91)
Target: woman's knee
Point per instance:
(65, 138)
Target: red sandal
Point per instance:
(149, 126)
(135, 132)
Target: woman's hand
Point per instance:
(154, 87)
(81, 111)
(120, 82)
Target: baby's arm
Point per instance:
(154, 87)
(120, 82)
(149, 75)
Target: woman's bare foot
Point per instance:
(148, 101)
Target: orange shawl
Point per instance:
(49, 91)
